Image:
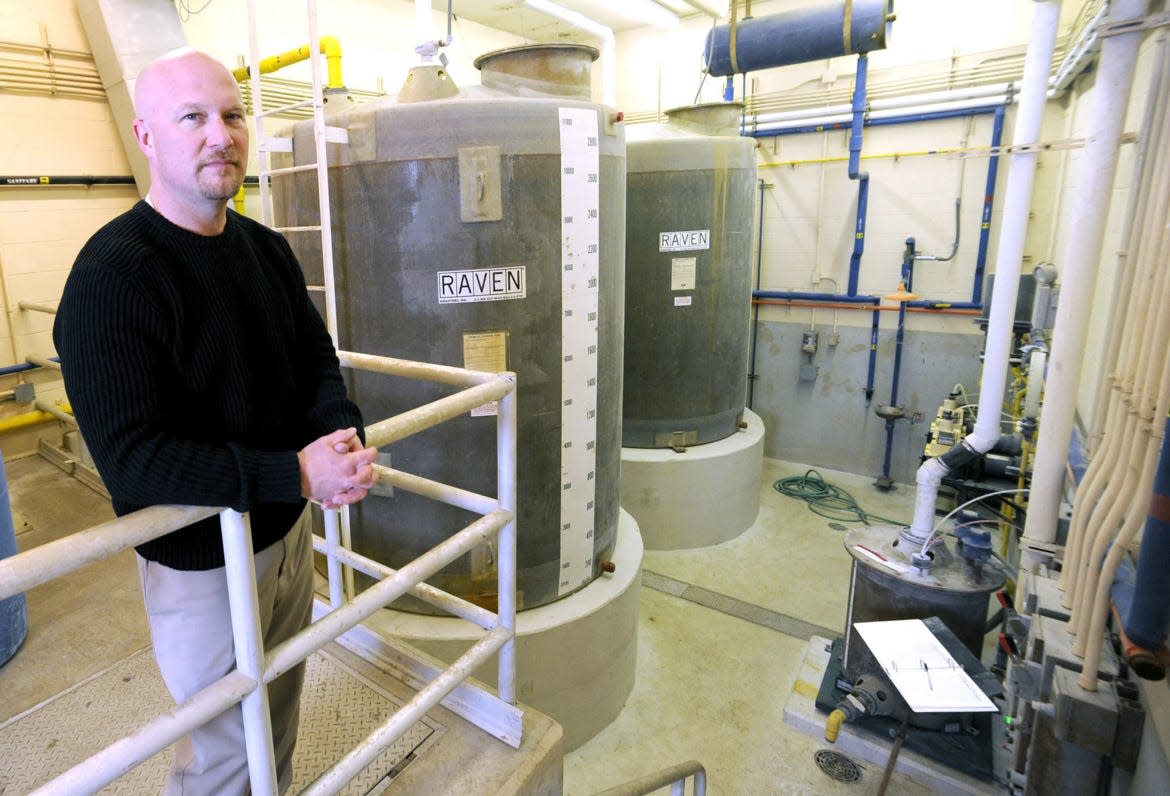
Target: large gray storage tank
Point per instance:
(485, 228)
(690, 198)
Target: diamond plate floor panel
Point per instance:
(339, 708)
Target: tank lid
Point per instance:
(427, 82)
(562, 69)
(713, 118)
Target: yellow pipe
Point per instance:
(876, 156)
(24, 420)
(833, 725)
(330, 48)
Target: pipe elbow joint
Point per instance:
(833, 724)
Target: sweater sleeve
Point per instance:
(120, 370)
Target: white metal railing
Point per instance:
(256, 666)
(675, 776)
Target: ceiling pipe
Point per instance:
(1021, 173)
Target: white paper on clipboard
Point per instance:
(919, 666)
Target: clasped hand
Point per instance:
(336, 470)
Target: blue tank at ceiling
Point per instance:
(799, 36)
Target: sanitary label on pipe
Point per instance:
(580, 270)
(690, 240)
(482, 284)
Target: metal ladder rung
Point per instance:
(290, 170)
(286, 108)
(314, 228)
(315, 288)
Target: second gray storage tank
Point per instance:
(485, 228)
(690, 216)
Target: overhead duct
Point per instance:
(844, 27)
(124, 36)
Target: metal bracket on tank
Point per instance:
(479, 184)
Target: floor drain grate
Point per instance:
(837, 765)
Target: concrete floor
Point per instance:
(714, 671)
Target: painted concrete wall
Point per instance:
(826, 422)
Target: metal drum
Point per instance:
(485, 228)
(691, 198)
(952, 589)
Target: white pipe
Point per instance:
(240, 573)
(608, 44)
(1110, 95)
(1017, 204)
(1137, 383)
(424, 31)
(1156, 99)
(506, 434)
(997, 90)
(887, 113)
(1154, 406)
(1097, 489)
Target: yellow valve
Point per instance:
(833, 725)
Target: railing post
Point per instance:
(506, 543)
(333, 564)
(240, 570)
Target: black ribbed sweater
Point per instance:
(197, 367)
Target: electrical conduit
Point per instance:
(1142, 222)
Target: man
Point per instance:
(201, 374)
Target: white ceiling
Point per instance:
(515, 17)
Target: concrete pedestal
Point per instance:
(576, 657)
(706, 495)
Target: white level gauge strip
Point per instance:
(580, 267)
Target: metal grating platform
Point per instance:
(339, 708)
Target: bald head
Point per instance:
(177, 70)
(192, 129)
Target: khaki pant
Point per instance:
(191, 630)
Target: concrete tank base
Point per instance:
(707, 495)
(575, 657)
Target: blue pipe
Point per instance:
(931, 116)
(855, 172)
(794, 295)
(8, 370)
(1149, 614)
(907, 279)
(859, 82)
(871, 370)
(988, 198)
